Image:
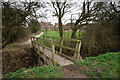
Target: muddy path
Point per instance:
(73, 72)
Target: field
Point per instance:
(66, 36)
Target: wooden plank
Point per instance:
(43, 50)
(69, 58)
(43, 39)
(75, 40)
(66, 47)
(62, 61)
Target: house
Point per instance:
(56, 26)
(46, 26)
(51, 27)
(67, 27)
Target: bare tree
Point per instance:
(60, 8)
(84, 17)
(15, 15)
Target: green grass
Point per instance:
(103, 66)
(37, 72)
(66, 35)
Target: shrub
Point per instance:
(100, 38)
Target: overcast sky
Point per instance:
(67, 16)
(74, 10)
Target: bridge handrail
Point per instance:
(42, 38)
(35, 42)
(62, 46)
(75, 40)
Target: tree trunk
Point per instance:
(60, 28)
(73, 36)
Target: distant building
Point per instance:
(56, 26)
(49, 26)
(46, 26)
(67, 27)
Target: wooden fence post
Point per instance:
(78, 55)
(43, 50)
(53, 53)
(75, 55)
(61, 47)
(32, 41)
(38, 45)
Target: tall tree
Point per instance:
(61, 7)
(84, 17)
(16, 15)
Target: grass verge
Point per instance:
(103, 66)
(37, 72)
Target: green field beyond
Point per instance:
(66, 34)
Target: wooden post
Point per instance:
(38, 44)
(43, 50)
(78, 55)
(75, 55)
(53, 53)
(61, 44)
(32, 41)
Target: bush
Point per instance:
(16, 34)
(100, 38)
(34, 26)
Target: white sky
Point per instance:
(66, 17)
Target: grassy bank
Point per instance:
(103, 66)
(36, 72)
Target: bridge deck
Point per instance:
(62, 61)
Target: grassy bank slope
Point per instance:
(36, 72)
(103, 66)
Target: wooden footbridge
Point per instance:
(52, 56)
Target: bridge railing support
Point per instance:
(43, 49)
(36, 44)
(61, 47)
(78, 55)
(53, 53)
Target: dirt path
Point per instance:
(73, 72)
(28, 43)
(18, 55)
